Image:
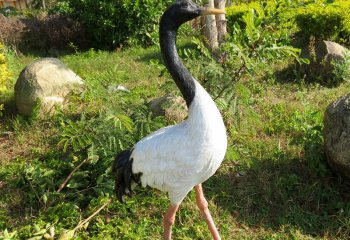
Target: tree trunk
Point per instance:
(43, 4)
(210, 30)
(221, 21)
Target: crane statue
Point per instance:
(178, 158)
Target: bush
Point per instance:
(111, 23)
(62, 31)
(42, 33)
(3, 69)
(3, 73)
(325, 21)
(8, 11)
(11, 30)
(280, 14)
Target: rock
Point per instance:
(321, 54)
(173, 108)
(337, 136)
(46, 81)
(325, 50)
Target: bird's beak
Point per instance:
(208, 11)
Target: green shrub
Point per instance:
(62, 8)
(325, 21)
(279, 13)
(3, 69)
(321, 19)
(235, 14)
(111, 23)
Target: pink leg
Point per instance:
(169, 219)
(203, 207)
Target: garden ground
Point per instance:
(273, 184)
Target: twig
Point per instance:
(70, 175)
(89, 218)
(33, 189)
(237, 76)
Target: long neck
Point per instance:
(182, 77)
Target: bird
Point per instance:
(175, 159)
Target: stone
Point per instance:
(322, 56)
(337, 136)
(325, 50)
(173, 108)
(46, 82)
(322, 53)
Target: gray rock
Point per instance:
(173, 108)
(322, 53)
(337, 136)
(46, 81)
(325, 50)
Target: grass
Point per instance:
(273, 184)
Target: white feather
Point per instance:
(174, 159)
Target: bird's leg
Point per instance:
(169, 219)
(203, 207)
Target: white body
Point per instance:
(174, 159)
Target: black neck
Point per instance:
(178, 71)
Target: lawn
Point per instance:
(273, 184)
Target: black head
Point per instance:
(185, 10)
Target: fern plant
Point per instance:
(105, 133)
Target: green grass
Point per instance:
(273, 184)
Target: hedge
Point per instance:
(3, 69)
(325, 21)
(111, 23)
(320, 19)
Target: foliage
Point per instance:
(325, 21)
(341, 70)
(254, 43)
(91, 133)
(3, 69)
(279, 14)
(3, 73)
(8, 11)
(306, 128)
(62, 7)
(111, 24)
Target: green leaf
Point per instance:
(66, 235)
(45, 198)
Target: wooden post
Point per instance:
(221, 21)
(210, 30)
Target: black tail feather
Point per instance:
(122, 169)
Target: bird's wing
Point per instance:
(167, 159)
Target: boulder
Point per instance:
(325, 50)
(173, 108)
(321, 56)
(337, 136)
(46, 82)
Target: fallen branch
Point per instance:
(70, 175)
(69, 234)
(89, 218)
